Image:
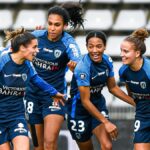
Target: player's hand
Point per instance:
(59, 98)
(71, 64)
(111, 129)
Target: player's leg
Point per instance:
(21, 143)
(5, 146)
(142, 134)
(4, 137)
(35, 122)
(103, 137)
(53, 114)
(52, 126)
(80, 130)
(87, 145)
(18, 134)
(142, 146)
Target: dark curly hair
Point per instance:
(71, 13)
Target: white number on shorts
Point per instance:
(25, 102)
(136, 125)
(80, 125)
(30, 107)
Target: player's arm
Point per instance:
(74, 54)
(128, 90)
(116, 91)
(71, 65)
(85, 98)
(45, 87)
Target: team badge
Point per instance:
(143, 85)
(82, 76)
(24, 77)
(57, 53)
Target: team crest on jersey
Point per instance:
(57, 53)
(143, 85)
(82, 76)
(24, 77)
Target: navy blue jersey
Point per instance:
(50, 63)
(93, 75)
(13, 81)
(139, 85)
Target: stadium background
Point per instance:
(117, 18)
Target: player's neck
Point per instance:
(137, 65)
(16, 57)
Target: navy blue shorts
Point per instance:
(81, 129)
(11, 129)
(36, 111)
(142, 131)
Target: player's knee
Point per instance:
(106, 146)
(50, 144)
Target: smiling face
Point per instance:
(55, 27)
(128, 53)
(95, 47)
(30, 51)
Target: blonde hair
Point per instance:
(138, 39)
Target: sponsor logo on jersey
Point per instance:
(96, 89)
(54, 108)
(20, 128)
(47, 65)
(133, 82)
(74, 50)
(140, 96)
(142, 83)
(7, 75)
(24, 76)
(15, 91)
(99, 74)
(47, 50)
